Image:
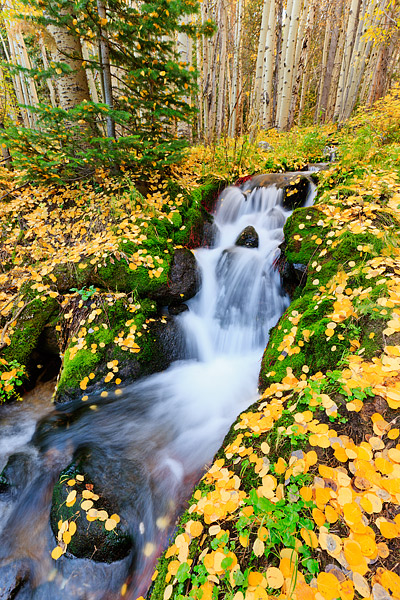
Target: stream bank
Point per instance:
(303, 496)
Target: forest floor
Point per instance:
(303, 499)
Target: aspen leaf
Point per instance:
(361, 585)
(309, 537)
(56, 553)
(110, 524)
(168, 592)
(274, 578)
(389, 530)
(328, 586)
(66, 537)
(258, 547)
(196, 529)
(115, 518)
(346, 590)
(331, 514)
(72, 528)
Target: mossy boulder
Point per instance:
(183, 279)
(99, 532)
(124, 343)
(321, 259)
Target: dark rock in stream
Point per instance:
(100, 534)
(293, 275)
(295, 186)
(248, 238)
(178, 309)
(184, 279)
(13, 578)
(17, 473)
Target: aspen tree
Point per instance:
(268, 6)
(72, 87)
(223, 26)
(351, 30)
(236, 70)
(104, 56)
(299, 63)
(328, 67)
(289, 64)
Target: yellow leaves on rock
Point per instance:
(56, 553)
(71, 498)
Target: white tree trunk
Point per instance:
(289, 65)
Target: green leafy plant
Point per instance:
(85, 293)
(11, 377)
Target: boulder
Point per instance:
(183, 281)
(295, 186)
(99, 533)
(248, 238)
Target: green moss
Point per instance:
(99, 346)
(29, 326)
(117, 275)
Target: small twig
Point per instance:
(14, 190)
(5, 159)
(7, 325)
(9, 302)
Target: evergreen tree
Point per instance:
(143, 86)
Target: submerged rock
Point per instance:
(17, 473)
(13, 578)
(248, 238)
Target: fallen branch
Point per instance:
(14, 190)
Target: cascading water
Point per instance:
(149, 445)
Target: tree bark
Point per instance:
(105, 68)
(72, 87)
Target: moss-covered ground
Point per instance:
(302, 500)
(86, 261)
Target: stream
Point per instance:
(150, 444)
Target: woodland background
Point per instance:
(154, 74)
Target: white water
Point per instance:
(152, 443)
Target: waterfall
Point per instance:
(152, 442)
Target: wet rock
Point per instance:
(209, 232)
(17, 473)
(295, 186)
(293, 275)
(166, 344)
(13, 578)
(178, 309)
(248, 238)
(101, 534)
(183, 281)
